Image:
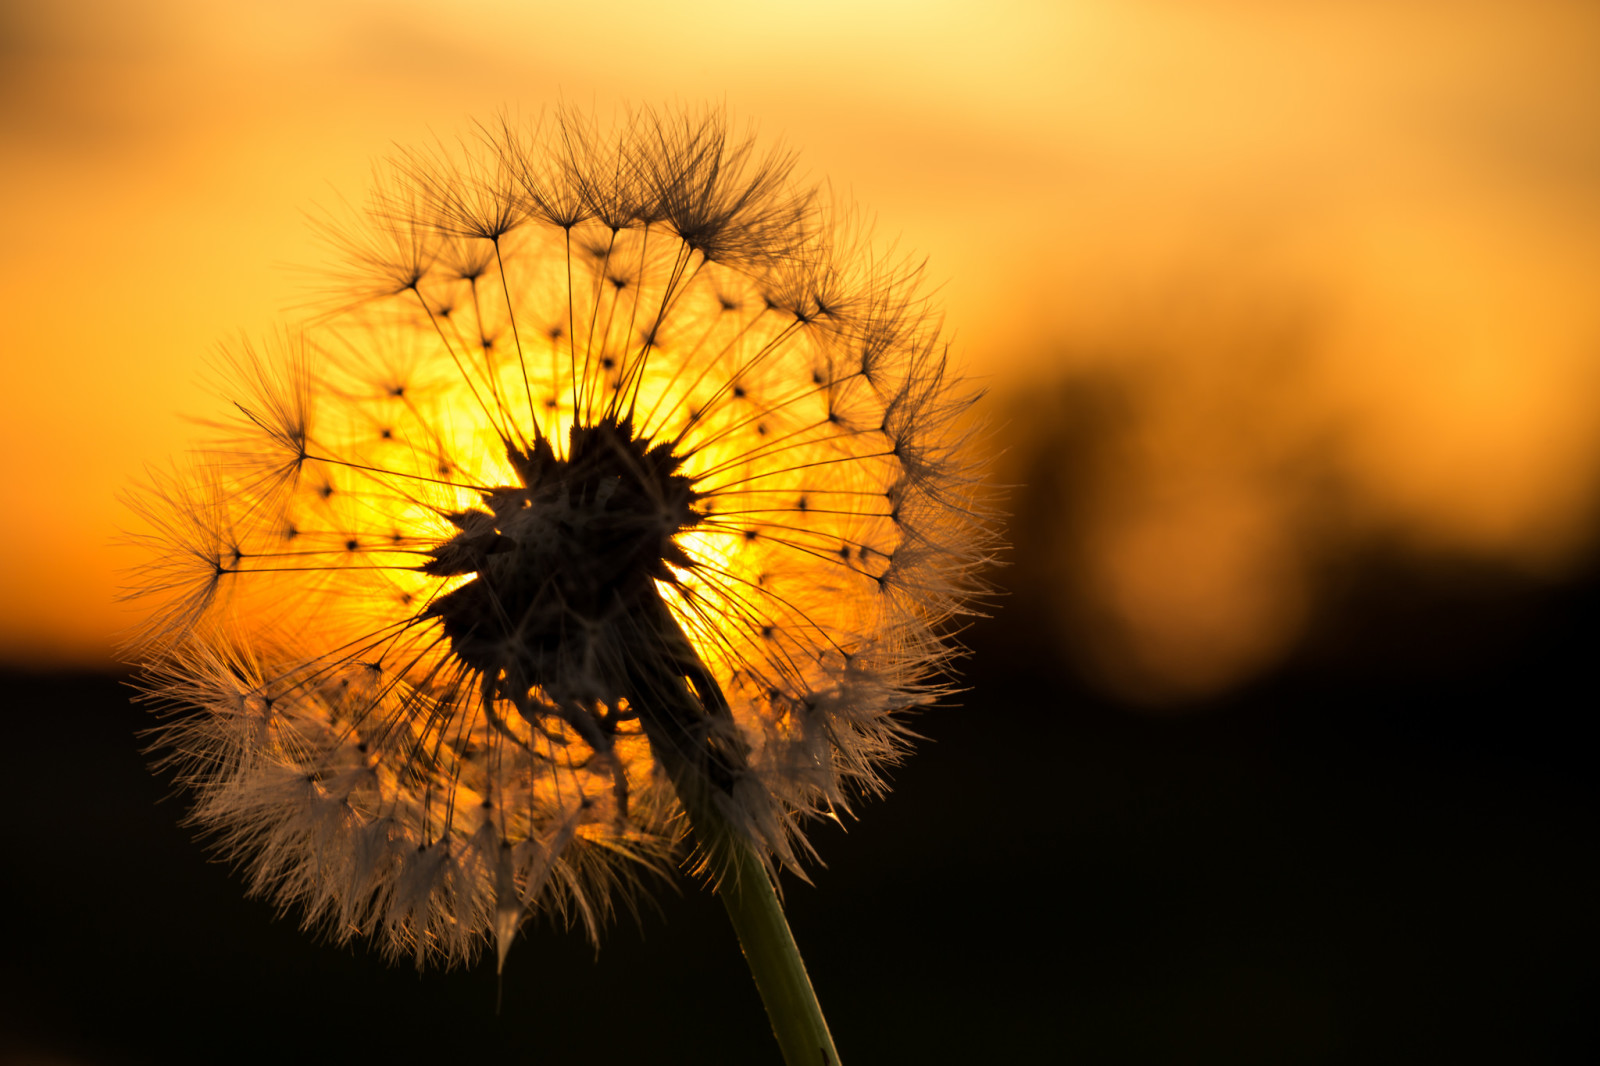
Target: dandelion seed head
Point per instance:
(619, 468)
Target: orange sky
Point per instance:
(1368, 231)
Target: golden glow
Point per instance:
(1414, 179)
(416, 391)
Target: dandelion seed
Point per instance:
(621, 481)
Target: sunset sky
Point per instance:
(1310, 277)
(1270, 745)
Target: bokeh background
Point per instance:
(1290, 320)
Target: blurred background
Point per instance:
(1290, 321)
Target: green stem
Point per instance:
(769, 948)
(678, 699)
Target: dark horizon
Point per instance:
(1382, 850)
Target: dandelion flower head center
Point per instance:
(560, 562)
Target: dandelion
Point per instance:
(620, 497)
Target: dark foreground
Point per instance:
(1384, 853)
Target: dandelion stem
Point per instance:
(677, 697)
(757, 914)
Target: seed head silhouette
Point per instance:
(621, 486)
